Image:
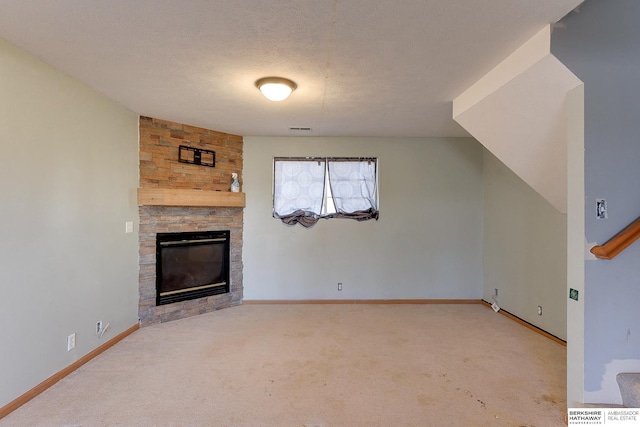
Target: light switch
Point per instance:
(128, 227)
(601, 209)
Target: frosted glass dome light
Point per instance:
(276, 88)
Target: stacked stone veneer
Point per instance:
(159, 167)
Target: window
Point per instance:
(309, 188)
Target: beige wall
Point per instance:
(426, 244)
(67, 186)
(524, 251)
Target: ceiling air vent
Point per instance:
(300, 128)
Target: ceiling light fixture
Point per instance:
(276, 88)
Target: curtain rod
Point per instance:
(335, 159)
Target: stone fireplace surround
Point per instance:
(160, 169)
(164, 219)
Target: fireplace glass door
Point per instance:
(191, 265)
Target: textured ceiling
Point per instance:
(363, 67)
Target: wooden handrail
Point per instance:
(619, 242)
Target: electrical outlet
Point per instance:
(539, 310)
(71, 341)
(98, 327)
(495, 292)
(339, 286)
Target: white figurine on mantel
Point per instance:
(235, 185)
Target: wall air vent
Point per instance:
(300, 128)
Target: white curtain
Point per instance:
(300, 189)
(353, 185)
(298, 186)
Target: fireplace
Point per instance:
(191, 265)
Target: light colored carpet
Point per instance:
(317, 366)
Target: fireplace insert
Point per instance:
(191, 265)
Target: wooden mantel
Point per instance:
(201, 198)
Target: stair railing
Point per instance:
(619, 242)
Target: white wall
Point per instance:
(67, 186)
(517, 111)
(426, 244)
(525, 250)
(601, 45)
(575, 246)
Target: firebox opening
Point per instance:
(191, 265)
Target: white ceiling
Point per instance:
(363, 67)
